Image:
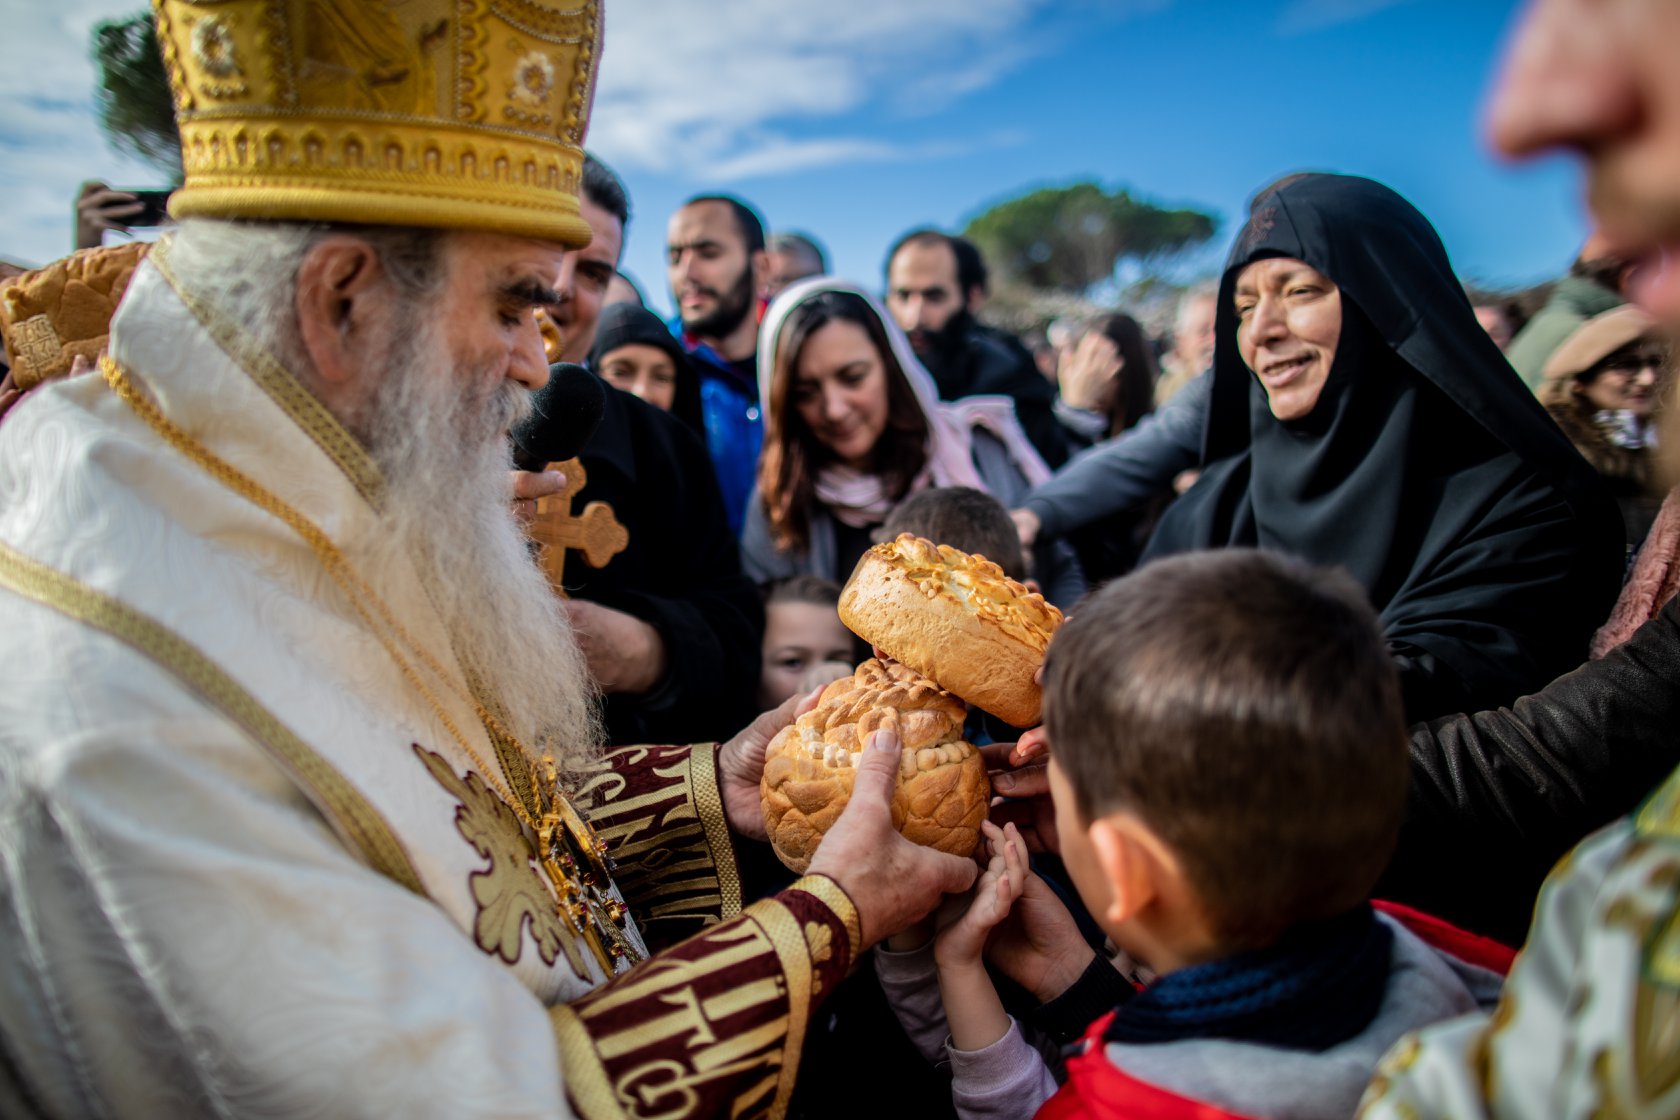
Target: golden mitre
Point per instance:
(458, 114)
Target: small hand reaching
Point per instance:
(963, 941)
(973, 1010)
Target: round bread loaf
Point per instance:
(956, 619)
(942, 793)
(56, 314)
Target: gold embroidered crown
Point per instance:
(460, 114)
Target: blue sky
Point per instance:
(856, 121)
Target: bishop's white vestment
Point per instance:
(245, 870)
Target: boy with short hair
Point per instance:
(1229, 771)
(964, 518)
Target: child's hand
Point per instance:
(1039, 946)
(961, 942)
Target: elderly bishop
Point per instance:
(302, 809)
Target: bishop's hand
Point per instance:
(741, 765)
(892, 881)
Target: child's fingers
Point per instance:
(1015, 861)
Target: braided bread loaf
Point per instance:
(956, 619)
(942, 793)
(55, 314)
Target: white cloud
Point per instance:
(718, 90)
(712, 90)
(780, 155)
(1301, 16)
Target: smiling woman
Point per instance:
(852, 425)
(1360, 416)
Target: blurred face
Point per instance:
(1599, 77)
(1193, 340)
(647, 371)
(840, 391)
(798, 637)
(582, 283)
(709, 268)
(1497, 326)
(1289, 320)
(786, 266)
(1626, 381)
(922, 291)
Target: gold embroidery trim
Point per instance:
(282, 387)
(582, 1073)
(834, 896)
(708, 806)
(782, 929)
(355, 820)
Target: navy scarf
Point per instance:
(1321, 985)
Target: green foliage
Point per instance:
(135, 107)
(1067, 239)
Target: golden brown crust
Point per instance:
(956, 619)
(53, 315)
(942, 793)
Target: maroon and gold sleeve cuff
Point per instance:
(661, 814)
(713, 1026)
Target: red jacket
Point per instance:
(1096, 1089)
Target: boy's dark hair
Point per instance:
(802, 589)
(603, 187)
(1244, 706)
(964, 518)
(746, 218)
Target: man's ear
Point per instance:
(1133, 860)
(760, 264)
(338, 301)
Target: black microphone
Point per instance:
(564, 414)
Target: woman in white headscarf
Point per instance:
(853, 424)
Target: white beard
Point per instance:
(440, 441)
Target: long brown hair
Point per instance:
(787, 469)
(1134, 396)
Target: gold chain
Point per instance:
(338, 567)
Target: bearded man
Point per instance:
(935, 283)
(304, 810)
(716, 263)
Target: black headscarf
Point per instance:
(1426, 468)
(624, 324)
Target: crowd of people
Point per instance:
(1354, 790)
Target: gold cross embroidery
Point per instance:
(595, 532)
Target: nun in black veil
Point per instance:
(1361, 417)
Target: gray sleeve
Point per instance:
(1122, 473)
(1055, 565)
(760, 558)
(910, 981)
(1006, 1079)
(1057, 568)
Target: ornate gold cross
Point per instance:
(595, 532)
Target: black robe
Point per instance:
(1426, 469)
(681, 574)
